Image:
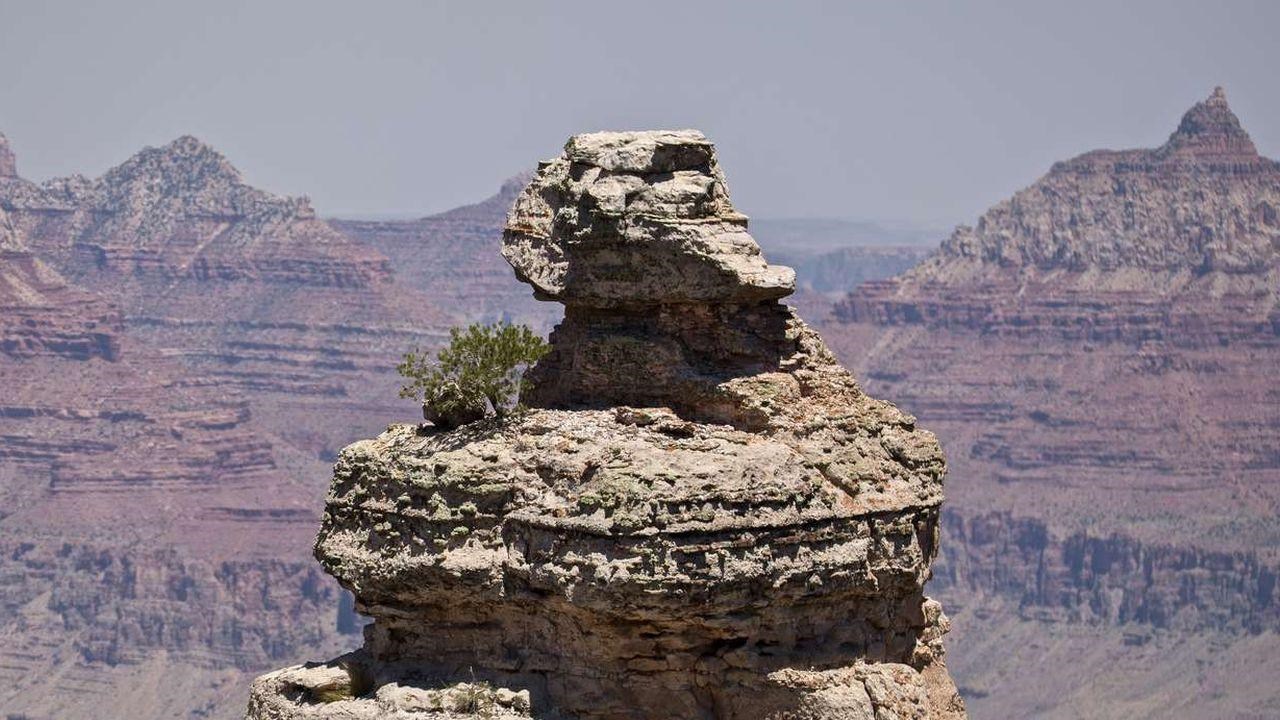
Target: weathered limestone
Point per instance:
(637, 219)
(701, 515)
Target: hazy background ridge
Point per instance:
(923, 111)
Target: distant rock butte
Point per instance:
(40, 314)
(182, 211)
(699, 515)
(1211, 133)
(1097, 353)
(455, 255)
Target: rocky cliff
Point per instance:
(249, 288)
(699, 515)
(8, 163)
(40, 314)
(133, 546)
(182, 211)
(175, 351)
(1097, 353)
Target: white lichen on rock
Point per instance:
(700, 514)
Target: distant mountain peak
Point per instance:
(1204, 204)
(1210, 129)
(183, 211)
(8, 164)
(185, 162)
(493, 208)
(190, 146)
(512, 186)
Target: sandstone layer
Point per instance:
(41, 314)
(699, 515)
(1098, 353)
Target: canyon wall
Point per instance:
(1098, 356)
(182, 354)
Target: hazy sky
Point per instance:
(911, 110)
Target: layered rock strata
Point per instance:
(455, 255)
(250, 289)
(40, 314)
(1098, 353)
(155, 518)
(699, 515)
(183, 212)
(1105, 332)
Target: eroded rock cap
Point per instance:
(634, 219)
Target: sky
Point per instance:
(915, 111)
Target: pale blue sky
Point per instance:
(920, 111)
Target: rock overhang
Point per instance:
(698, 512)
(637, 219)
(635, 490)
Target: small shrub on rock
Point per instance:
(480, 371)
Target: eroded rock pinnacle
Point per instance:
(700, 515)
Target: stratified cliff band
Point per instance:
(1099, 353)
(700, 515)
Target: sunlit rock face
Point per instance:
(1097, 353)
(700, 515)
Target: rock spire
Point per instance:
(700, 515)
(8, 164)
(1211, 130)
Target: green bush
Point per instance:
(480, 371)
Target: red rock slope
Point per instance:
(40, 314)
(455, 254)
(180, 354)
(1098, 355)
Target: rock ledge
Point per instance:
(701, 515)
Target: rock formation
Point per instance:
(8, 165)
(699, 515)
(164, 331)
(1096, 353)
(249, 288)
(1198, 214)
(455, 254)
(40, 314)
(182, 211)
